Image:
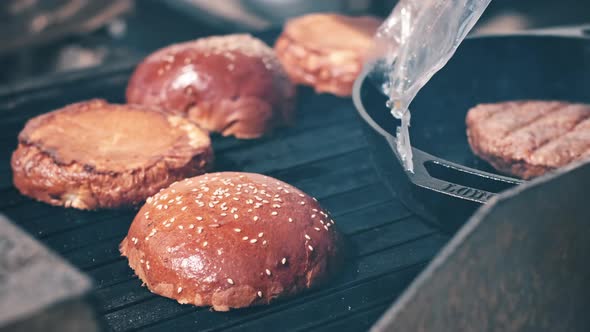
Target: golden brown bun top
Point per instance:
(332, 32)
(218, 231)
(112, 138)
(210, 69)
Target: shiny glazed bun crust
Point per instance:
(230, 84)
(231, 240)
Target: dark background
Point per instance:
(125, 30)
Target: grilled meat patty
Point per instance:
(529, 138)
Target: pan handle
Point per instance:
(422, 177)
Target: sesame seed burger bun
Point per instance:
(234, 240)
(93, 154)
(232, 84)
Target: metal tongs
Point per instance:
(415, 41)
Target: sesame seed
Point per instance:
(310, 248)
(277, 206)
(317, 229)
(230, 281)
(205, 244)
(256, 218)
(264, 242)
(236, 199)
(301, 195)
(332, 221)
(314, 210)
(214, 225)
(165, 207)
(237, 230)
(261, 234)
(245, 238)
(253, 240)
(284, 261)
(274, 213)
(268, 273)
(302, 203)
(199, 218)
(259, 294)
(199, 230)
(223, 214)
(183, 208)
(307, 237)
(179, 290)
(290, 219)
(326, 227)
(236, 216)
(159, 207)
(313, 215)
(180, 227)
(171, 201)
(149, 199)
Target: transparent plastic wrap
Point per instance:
(415, 41)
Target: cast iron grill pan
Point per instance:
(449, 181)
(325, 154)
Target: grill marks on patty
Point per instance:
(528, 138)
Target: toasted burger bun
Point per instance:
(93, 154)
(326, 51)
(230, 84)
(231, 240)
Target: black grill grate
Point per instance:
(324, 155)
